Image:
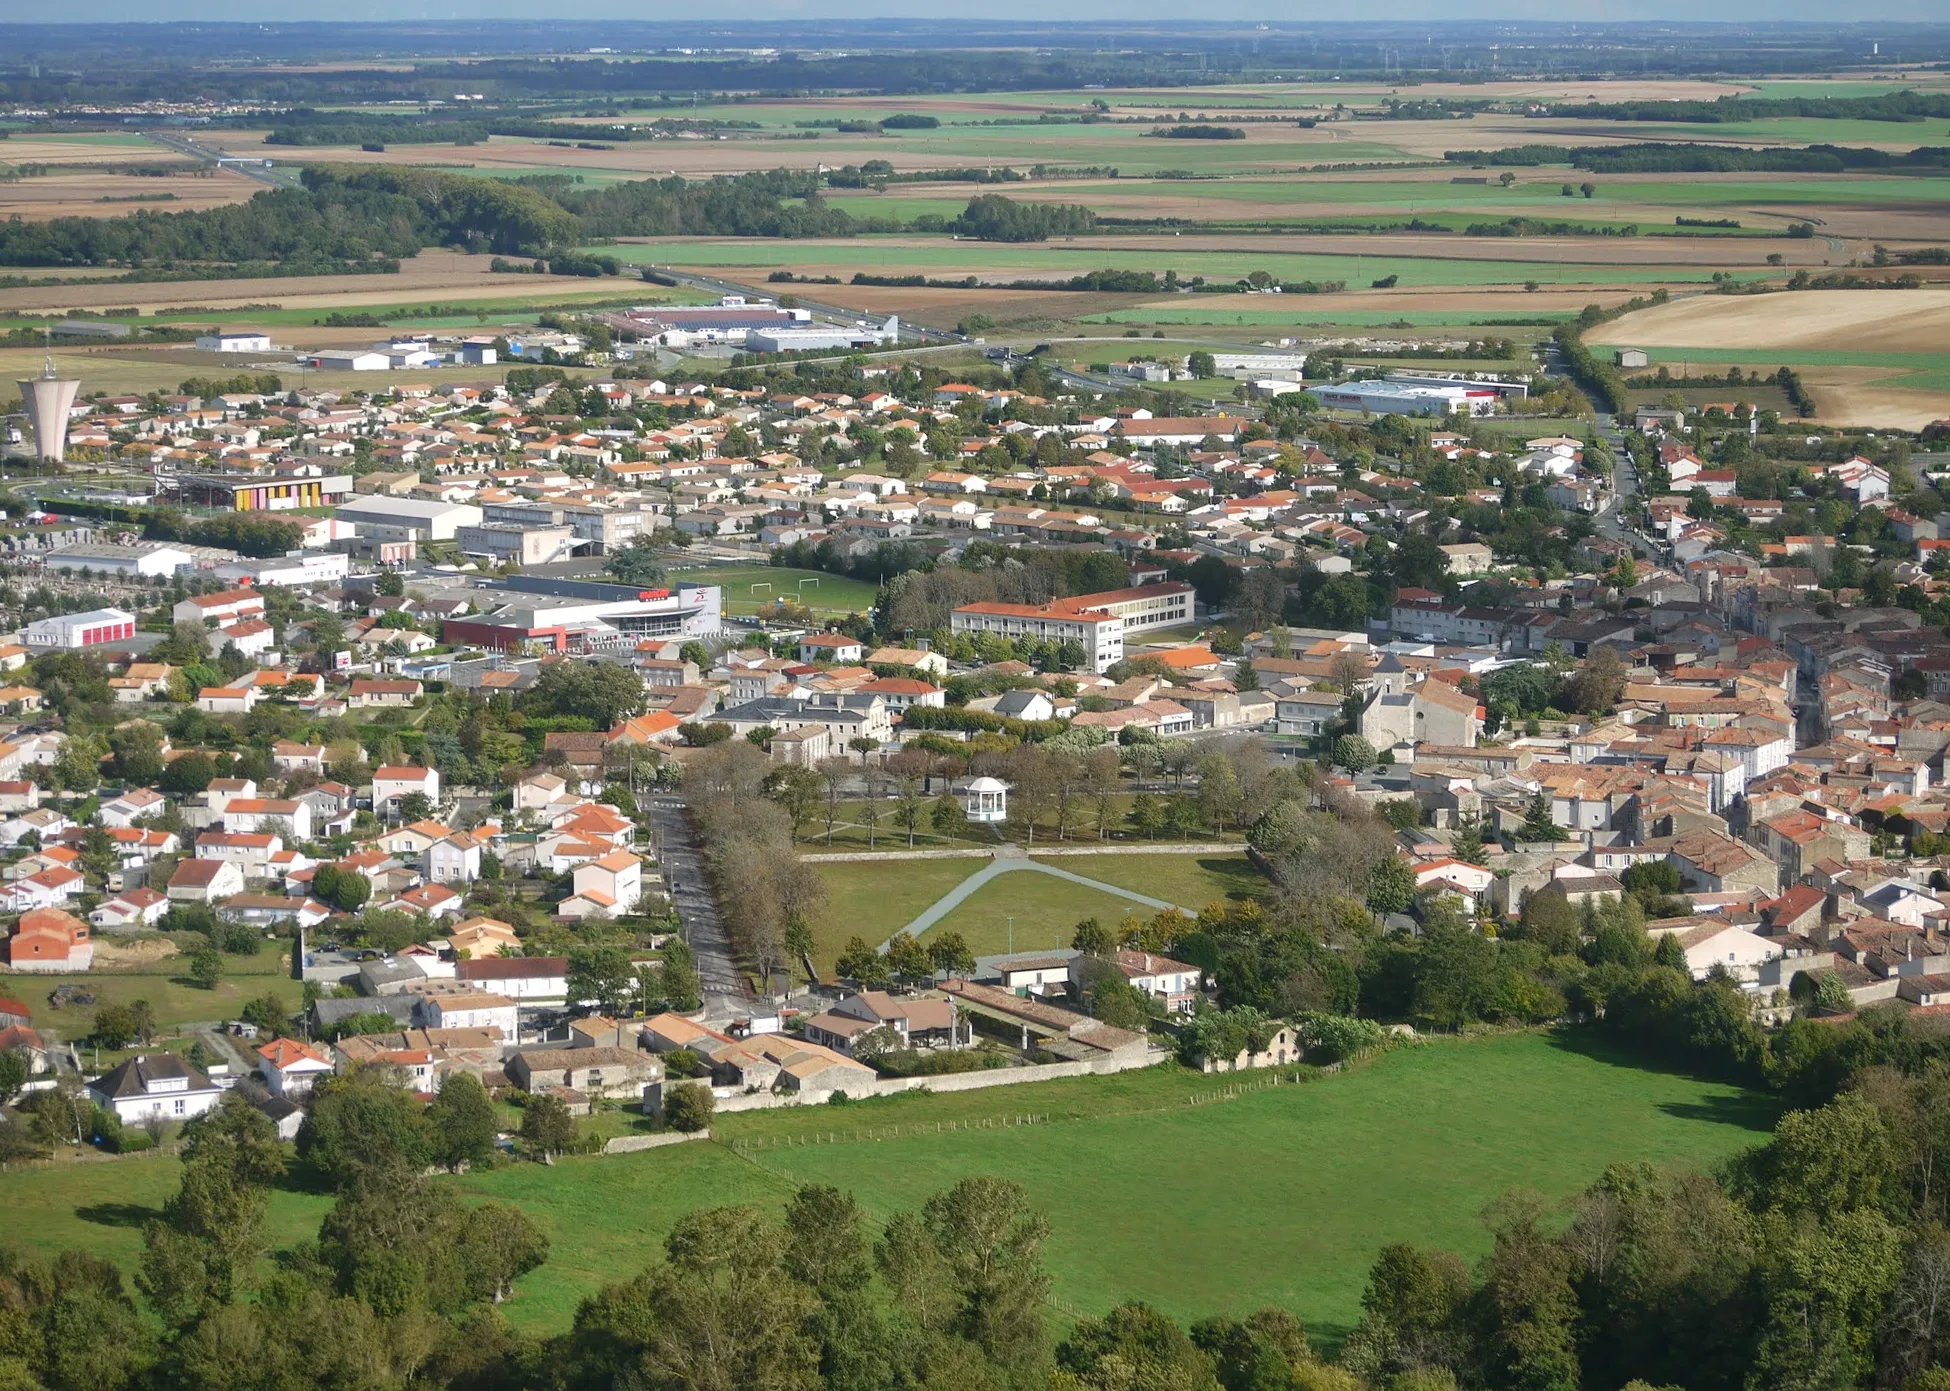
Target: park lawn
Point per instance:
(1191, 881)
(832, 594)
(1046, 912)
(875, 899)
(176, 999)
(850, 832)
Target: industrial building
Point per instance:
(349, 360)
(533, 545)
(1508, 391)
(290, 571)
(730, 321)
(71, 631)
(814, 337)
(243, 492)
(602, 529)
(383, 518)
(144, 560)
(1400, 398)
(1259, 364)
(234, 341)
(583, 615)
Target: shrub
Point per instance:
(689, 1107)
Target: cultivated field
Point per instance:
(1868, 356)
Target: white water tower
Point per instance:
(47, 400)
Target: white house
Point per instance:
(205, 881)
(1174, 982)
(132, 806)
(1740, 952)
(156, 1084)
(468, 1009)
(389, 784)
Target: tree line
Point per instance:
(1690, 158)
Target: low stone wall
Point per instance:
(630, 1144)
(946, 1082)
(1217, 847)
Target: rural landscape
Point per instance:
(962, 704)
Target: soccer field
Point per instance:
(749, 587)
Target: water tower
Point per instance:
(47, 399)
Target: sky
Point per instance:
(1820, 11)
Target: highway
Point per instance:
(268, 174)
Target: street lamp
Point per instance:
(1012, 934)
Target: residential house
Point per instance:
(205, 881)
(289, 1068)
(158, 1086)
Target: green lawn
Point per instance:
(1150, 1206)
(1046, 911)
(824, 593)
(176, 999)
(993, 259)
(606, 1217)
(874, 899)
(100, 1207)
(1190, 880)
(1408, 1148)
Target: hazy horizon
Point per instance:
(1607, 12)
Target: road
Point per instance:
(268, 174)
(1625, 487)
(725, 996)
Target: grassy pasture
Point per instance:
(1408, 1148)
(175, 998)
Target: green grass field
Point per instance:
(823, 593)
(1190, 880)
(1153, 1207)
(875, 898)
(873, 254)
(175, 998)
(1046, 912)
(1408, 1148)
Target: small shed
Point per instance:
(1631, 357)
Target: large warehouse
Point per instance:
(144, 560)
(1399, 398)
(76, 630)
(383, 518)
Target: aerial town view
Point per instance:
(836, 697)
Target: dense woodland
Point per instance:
(372, 218)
